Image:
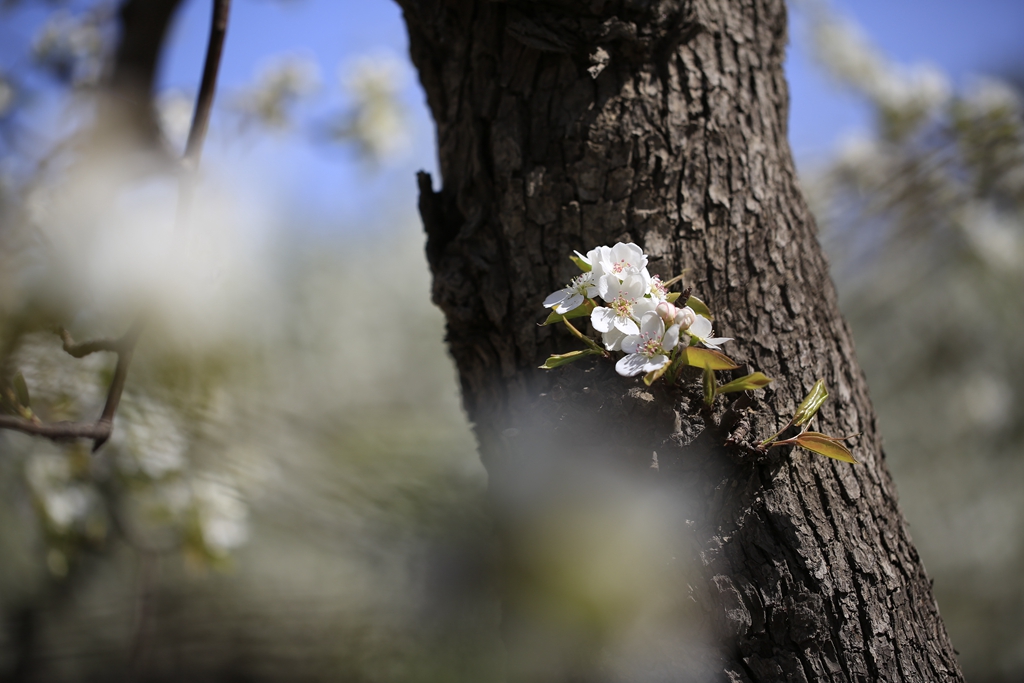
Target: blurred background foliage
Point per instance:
(292, 490)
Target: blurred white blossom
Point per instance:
(174, 109)
(375, 119)
(278, 87)
(71, 46)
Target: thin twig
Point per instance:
(58, 431)
(83, 349)
(99, 431)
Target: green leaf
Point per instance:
(823, 444)
(580, 263)
(709, 385)
(558, 360)
(809, 406)
(754, 380)
(699, 307)
(21, 390)
(651, 377)
(700, 358)
(585, 308)
(672, 297)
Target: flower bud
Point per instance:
(667, 312)
(685, 317)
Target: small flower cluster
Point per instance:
(637, 314)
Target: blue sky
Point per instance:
(961, 38)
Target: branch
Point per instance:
(83, 349)
(57, 431)
(99, 431)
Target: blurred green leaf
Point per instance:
(21, 390)
(709, 385)
(824, 445)
(558, 360)
(672, 297)
(699, 358)
(811, 403)
(699, 307)
(755, 380)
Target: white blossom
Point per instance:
(623, 299)
(620, 261)
(656, 288)
(700, 329)
(572, 295)
(647, 351)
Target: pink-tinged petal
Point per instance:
(671, 338)
(631, 365)
(700, 328)
(631, 342)
(570, 303)
(555, 298)
(626, 325)
(603, 319)
(685, 317)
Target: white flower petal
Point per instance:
(634, 286)
(671, 338)
(631, 342)
(612, 339)
(608, 287)
(555, 298)
(603, 319)
(652, 325)
(643, 306)
(626, 325)
(655, 363)
(570, 303)
(631, 365)
(700, 328)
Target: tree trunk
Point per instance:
(566, 124)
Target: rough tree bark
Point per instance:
(565, 124)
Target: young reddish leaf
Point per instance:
(700, 358)
(558, 360)
(809, 406)
(699, 307)
(824, 445)
(709, 385)
(755, 380)
(585, 308)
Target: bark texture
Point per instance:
(565, 124)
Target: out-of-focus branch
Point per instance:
(83, 349)
(140, 77)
